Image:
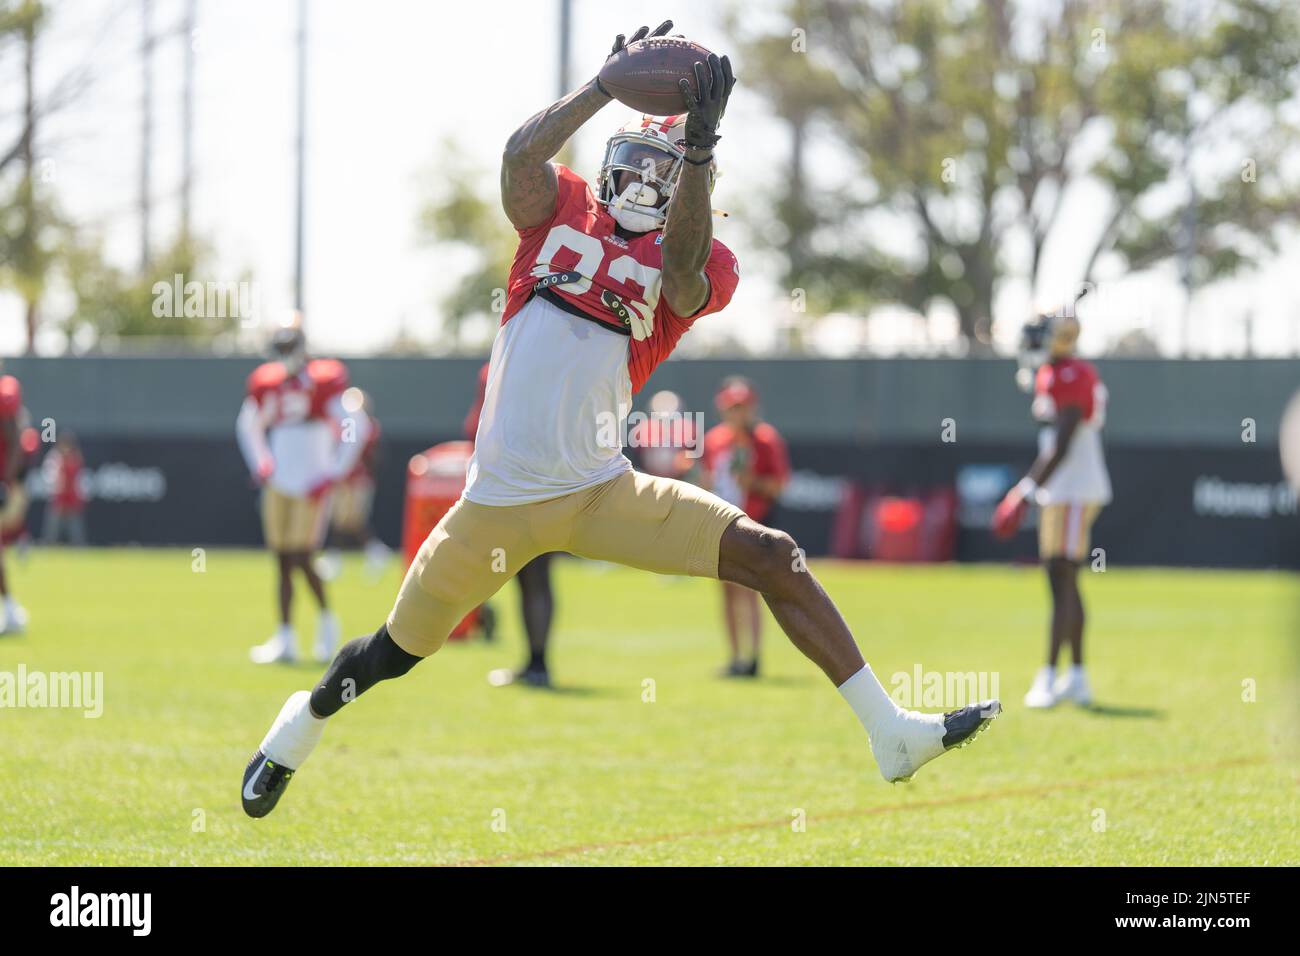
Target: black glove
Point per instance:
(704, 112)
(641, 34)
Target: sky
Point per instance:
(389, 82)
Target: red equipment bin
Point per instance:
(434, 480)
(898, 529)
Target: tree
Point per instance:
(115, 306)
(465, 214)
(966, 125)
(27, 255)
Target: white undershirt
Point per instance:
(555, 409)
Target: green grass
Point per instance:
(711, 772)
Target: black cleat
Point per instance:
(264, 784)
(529, 676)
(535, 677)
(963, 725)
(739, 669)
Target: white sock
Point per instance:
(869, 700)
(295, 733)
(11, 606)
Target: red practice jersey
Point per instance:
(11, 404)
(1081, 477)
(293, 400)
(665, 447)
(1068, 382)
(760, 453)
(614, 281)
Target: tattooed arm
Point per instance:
(528, 184)
(688, 238)
(688, 229)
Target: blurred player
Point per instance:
(298, 440)
(666, 443)
(536, 596)
(65, 510)
(604, 284)
(13, 516)
(14, 619)
(1069, 482)
(353, 497)
(746, 464)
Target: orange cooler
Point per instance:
(435, 479)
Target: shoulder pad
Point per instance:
(265, 377)
(328, 373)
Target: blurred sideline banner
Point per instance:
(1192, 446)
(1173, 506)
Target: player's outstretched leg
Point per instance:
(360, 664)
(902, 740)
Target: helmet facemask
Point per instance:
(1034, 339)
(1046, 337)
(289, 347)
(652, 167)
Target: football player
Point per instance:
(65, 508)
(746, 463)
(298, 440)
(14, 618)
(1068, 481)
(604, 283)
(353, 498)
(666, 440)
(13, 515)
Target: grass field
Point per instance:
(1175, 768)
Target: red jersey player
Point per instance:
(666, 441)
(11, 455)
(1070, 484)
(746, 463)
(604, 284)
(352, 500)
(65, 509)
(298, 440)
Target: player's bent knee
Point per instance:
(770, 556)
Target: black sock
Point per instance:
(538, 607)
(360, 664)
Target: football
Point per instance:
(644, 75)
